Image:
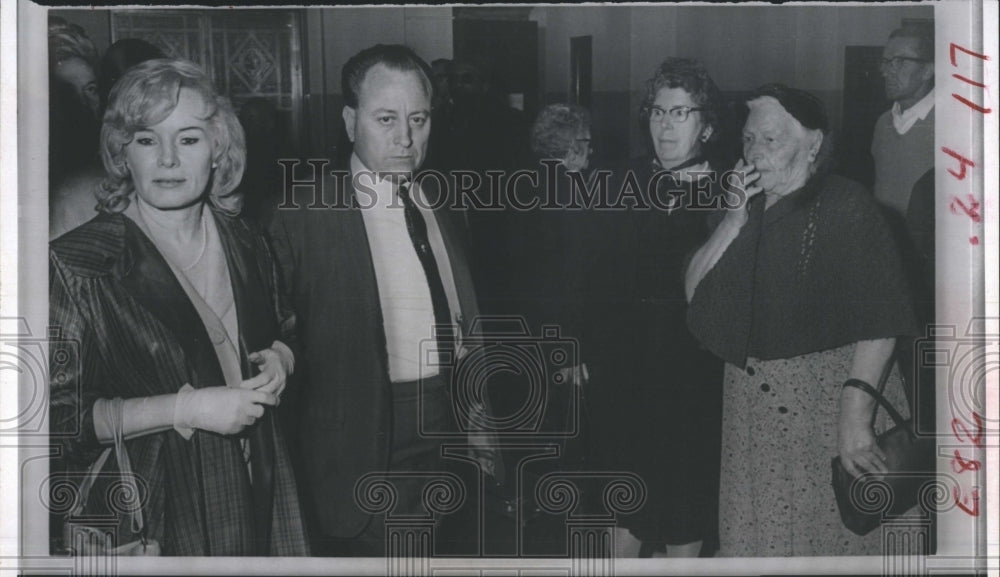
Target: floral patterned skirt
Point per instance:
(780, 420)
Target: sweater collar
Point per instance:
(903, 120)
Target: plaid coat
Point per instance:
(139, 335)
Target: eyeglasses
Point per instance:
(896, 62)
(677, 113)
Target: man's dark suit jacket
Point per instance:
(345, 425)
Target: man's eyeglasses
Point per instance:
(896, 62)
(676, 113)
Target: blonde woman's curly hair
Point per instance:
(143, 97)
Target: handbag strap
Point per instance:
(116, 416)
(88, 482)
(877, 394)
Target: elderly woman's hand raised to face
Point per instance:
(782, 139)
(779, 147)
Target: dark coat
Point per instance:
(346, 419)
(112, 293)
(655, 393)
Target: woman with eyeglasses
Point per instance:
(655, 393)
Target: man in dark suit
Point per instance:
(377, 280)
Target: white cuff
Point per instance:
(183, 431)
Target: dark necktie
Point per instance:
(417, 227)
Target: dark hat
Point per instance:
(803, 106)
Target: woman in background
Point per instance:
(74, 127)
(655, 393)
(174, 304)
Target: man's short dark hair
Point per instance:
(393, 56)
(923, 34)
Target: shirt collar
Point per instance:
(369, 192)
(904, 120)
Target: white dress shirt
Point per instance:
(903, 120)
(404, 295)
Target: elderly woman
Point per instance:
(183, 339)
(656, 394)
(798, 290)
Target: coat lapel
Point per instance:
(148, 279)
(253, 308)
(256, 326)
(356, 260)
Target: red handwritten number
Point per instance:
(971, 104)
(960, 465)
(965, 101)
(961, 501)
(971, 210)
(967, 51)
(968, 80)
(962, 161)
(958, 427)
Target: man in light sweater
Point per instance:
(903, 149)
(903, 145)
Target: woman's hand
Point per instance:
(859, 451)
(224, 410)
(750, 177)
(858, 448)
(275, 365)
(708, 255)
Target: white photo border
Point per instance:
(967, 289)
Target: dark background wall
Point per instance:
(742, 47)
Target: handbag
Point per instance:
(865, 501)
(82, 539)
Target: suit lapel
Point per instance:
(355, 260)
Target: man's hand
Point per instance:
(275, 366)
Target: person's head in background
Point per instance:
(562, 132)
(119, 57)
(680, 111)
(468, 84)
(72, 58)
(907, 64)
(439, 74)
